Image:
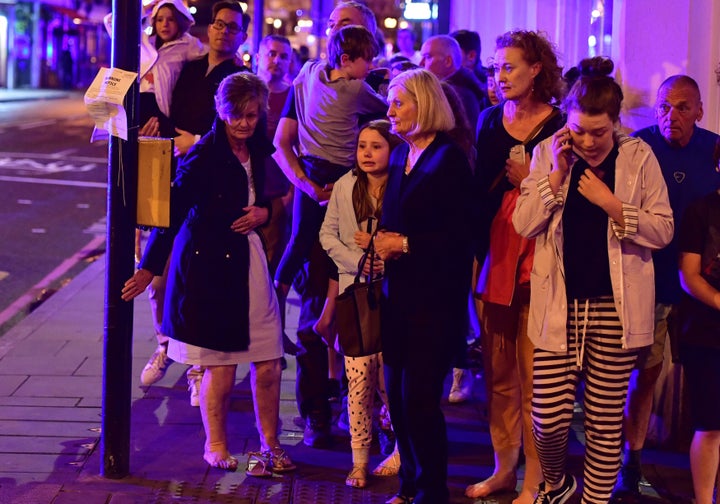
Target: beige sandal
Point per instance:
(357, 477)
(388, 467)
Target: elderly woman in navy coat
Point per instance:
(221, 309)
(428, 263)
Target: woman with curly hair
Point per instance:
(527, 74)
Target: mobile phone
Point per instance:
(517, 153)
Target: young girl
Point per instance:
(354, 209)
(163, 51)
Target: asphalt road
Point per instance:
(52, 199)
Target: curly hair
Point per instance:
(548, 86)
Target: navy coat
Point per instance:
(207, 300)
(425, 292)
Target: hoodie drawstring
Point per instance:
(580, 348)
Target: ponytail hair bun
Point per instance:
(595, 92)
(599, 66)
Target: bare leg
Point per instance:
(639, 407)
(265, 382)
(704, 459)
(215, 391)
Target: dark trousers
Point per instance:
(304, 255)
(311, 386)
(414, 387)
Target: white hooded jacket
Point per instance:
(640, 186)
(164, 64)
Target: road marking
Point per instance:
(63, 153)
(24, 202)
(72, 183)
(35, 155)
(23, 301)
(37, 124)
(38, 231)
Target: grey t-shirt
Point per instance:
(328, 112)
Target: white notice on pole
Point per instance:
(104, 100)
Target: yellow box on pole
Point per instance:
(155, 158)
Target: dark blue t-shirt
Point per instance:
(690, 173)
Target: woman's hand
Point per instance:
(516, 172)
(388, 245)
(362, 239)
(378, 266)
(598, 193)
(255, 216)
(137, 284)
(151, 128)
(562, 157)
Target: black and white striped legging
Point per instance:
(594, 337)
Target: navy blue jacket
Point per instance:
(207, 299)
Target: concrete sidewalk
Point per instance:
(50, 407)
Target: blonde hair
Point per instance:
(433, 110)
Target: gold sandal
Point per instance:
(258, 465)
(279, 461)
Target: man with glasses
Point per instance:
(686, 156)
(193, 106)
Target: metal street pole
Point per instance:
(119, 260)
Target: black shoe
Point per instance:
(334, 393)
(627, 489)
(559, 496)
(317, 433)
(629, 479)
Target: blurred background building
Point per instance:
(62, 43)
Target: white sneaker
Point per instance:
(461, 389)
(156, 367)
(194, 377)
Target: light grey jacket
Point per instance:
(648, 217)
(337, 234)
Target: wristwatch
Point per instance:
(405, 247)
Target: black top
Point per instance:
(585, 229)
(699, 233)
(193, 99)
(493, 149)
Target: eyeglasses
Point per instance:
(232, 28)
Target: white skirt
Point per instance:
(265, 325)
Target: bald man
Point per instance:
(686, 154)
(441, 54)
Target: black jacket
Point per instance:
(207, 299)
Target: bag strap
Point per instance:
(541, 125)
(533, 134)
(370, 252)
